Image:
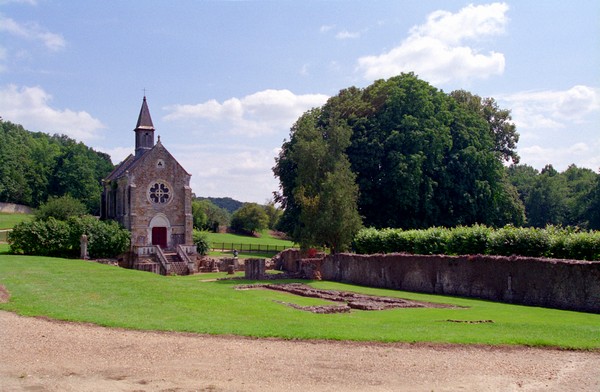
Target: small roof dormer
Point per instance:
(144, 131)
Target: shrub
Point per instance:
(105, 238)
(51, 237)
(249, 218)
(431, 241)
(511, 240)
(201, 241)
(369, 241)
(558, 242)
(57, 238)
(60, 208)
(583, 246)
(468, 240)
(397, 240)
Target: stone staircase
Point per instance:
(178, 266)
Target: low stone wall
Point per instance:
(562, 284)
(15, 208)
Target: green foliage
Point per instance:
(568, 198)
(511, 240)
(570, 244)
(472, 240)
(105, 238)
(227, 203)
(61, 208)
(533, 242)
(93, 293)
(420, 158)
(52, 237)
(499, 121)
(593, 207)
(200, 239)
(199, 216)
(49, 237)
(250, 218)
(208, 216)
(431, 241)
(318, 188)
(274, 213)
(36, 166)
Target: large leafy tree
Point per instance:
(318, 188)
(499, 121)
(423, 159)
(209, 216)
(420, 158)
(593, 207)
(551, 197)
(250, 218)
(36, 166)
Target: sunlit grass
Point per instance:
(88, 292)
(8, 221)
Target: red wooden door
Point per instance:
(159, 236)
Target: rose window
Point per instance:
(160, 193)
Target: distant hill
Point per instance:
(227, 203)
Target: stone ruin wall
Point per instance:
(552, 283)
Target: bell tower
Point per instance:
(144, 131)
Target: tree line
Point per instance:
(35, 167)
(247, 218)
(402, 154)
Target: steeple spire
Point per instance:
(144, 130)
(144, 119)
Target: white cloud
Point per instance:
(32, 31)
(345, 34)
(3, 57)
(326, 28)
(579, 153)
(552, 109)
(30, 2)
(237, 171)
(437, 52)
(237, 163)
(117, 154)
(29, 106)
(261, 113)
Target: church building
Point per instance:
(149, 194)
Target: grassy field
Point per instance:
(236, 241)
(264, 239)
(88, 292)
(8, 221)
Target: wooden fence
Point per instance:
(258, 248)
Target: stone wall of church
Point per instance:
(161, 189)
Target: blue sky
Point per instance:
(226, 80)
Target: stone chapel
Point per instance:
(149, 194)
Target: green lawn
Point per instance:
(237, 241)
(8, 221)
(88, 292)
(264, 239)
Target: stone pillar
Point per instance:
(254, 269)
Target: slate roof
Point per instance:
(121, 168)
(144, 120)
(145, 123)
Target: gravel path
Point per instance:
(44, 355)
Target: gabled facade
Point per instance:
(149, 194)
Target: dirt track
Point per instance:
(43, 355)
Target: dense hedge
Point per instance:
(61, 238)
(555, 242)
